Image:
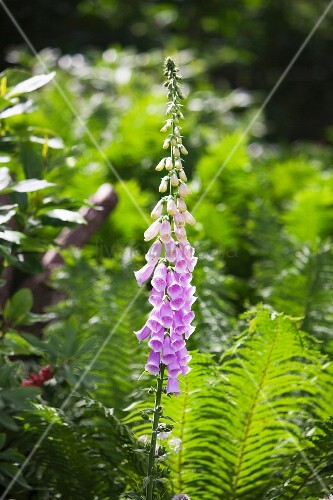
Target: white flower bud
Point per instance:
(166, 126)
(152, 230)
(176, 152)
(173, 142)
(174, 180)
(179, 140)
(171, 207)
(168, 163)
(182, 175)
(164, 185)
(189, 218)
(178, 163)
(177, 131)
(166, 143)
(181, 116)
(179, 219)
(157, 210)
(183, 149)
(169, 108)
(184, 191)
(160, 165)
(181, 205)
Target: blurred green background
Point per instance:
(245, 44)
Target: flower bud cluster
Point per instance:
(170, 259)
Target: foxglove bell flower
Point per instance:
(170, 259)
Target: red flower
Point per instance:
(45, 373)
(37, 379)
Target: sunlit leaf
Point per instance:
(31, 84)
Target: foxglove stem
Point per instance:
(153, 440)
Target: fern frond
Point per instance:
(239, 423)
(310, 473)
(86, 454)
(304, 288)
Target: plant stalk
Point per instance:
(152, 451)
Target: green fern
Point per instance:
(85, 454)
(304, 288)
(310, 473)
(241, 422)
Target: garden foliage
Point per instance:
(254, 417)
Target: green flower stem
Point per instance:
(152, 451)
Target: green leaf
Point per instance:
(7, 216)
(8, 422)
(4, 178)
(31, 185)
(66, 216)
(52, 142)
(17, 109)
(31, 84)
(18, 306)
(12, 236)
(19, 396)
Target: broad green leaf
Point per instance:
(52, 142)
(31, 159)
(18, 306)
(17, 109)
(7, 216)
(31, 185)
(4, 178)
(8, 422)
(31, 84)
(12, 236)
(66, 216)
(19, 395)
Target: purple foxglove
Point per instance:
(171, 250)
(165, 231)
(154, 253)
(157, 340)
(171, 207)
(157, 210)
(156, 297)
(189, 218)
(173, 386)
(170, 259)
(181, 205)
(166, 314)
(179, 219)
(144, 273)
(143, 333)
(174, 370)
(153, 363)
(177, 304)
(152, 231)
(174, 180)
(182, 175)
(183, 190)
(180, 233)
